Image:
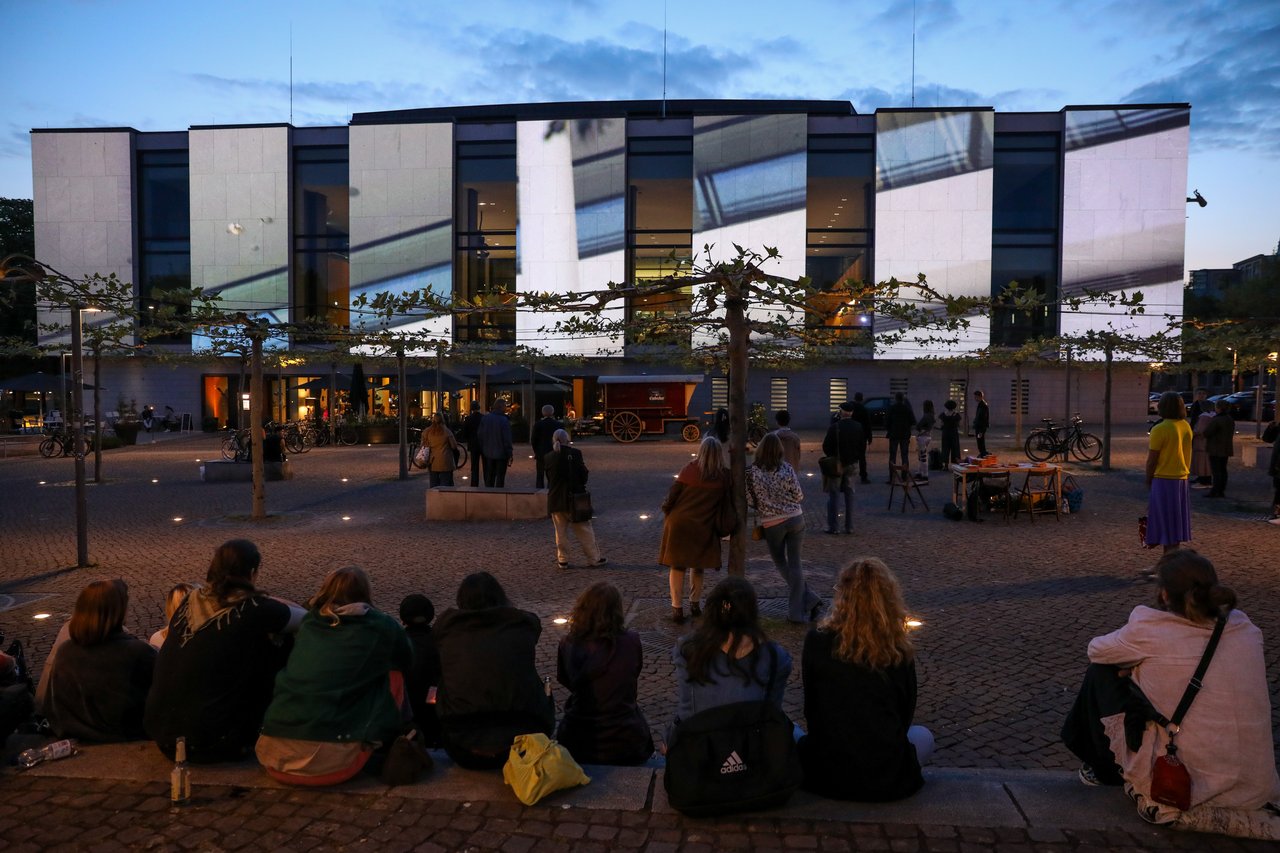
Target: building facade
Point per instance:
(293, 224)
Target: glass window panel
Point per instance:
(837, 392)
(1035, 269)
(777, 393)
(321, 232)
(485, 253)
(164, 237)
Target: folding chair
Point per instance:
(1039, 494)
(900, 477)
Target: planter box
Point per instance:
(127, 431)
(378, 434)
(1256, 456)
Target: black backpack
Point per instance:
(733, 758)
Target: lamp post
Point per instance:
(77, 433)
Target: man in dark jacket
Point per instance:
(470, 433)
(1219, 436)
(898, 423)
(540, 441)
(495, 445)
(981, 422)
(844, 441)
(863, 417)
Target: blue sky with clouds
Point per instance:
(165, 66)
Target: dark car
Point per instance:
(1242, 405)
(878, 410)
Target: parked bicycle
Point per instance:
(62, 444)
(235, 445)
(1050, 440)
(415, 443)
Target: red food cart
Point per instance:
(648, 405)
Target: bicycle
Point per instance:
(235, 445)
(415, 442)
(62, 444)
(294, 436)
(1050, 440)
(345, 433)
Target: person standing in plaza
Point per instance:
(774, 492)
(566, 477)
(690, 541)
(844, 442)
(863, 417)
(495, 445)
(899, 421)
(1201, 473)
(440, 448)
(790, 440)
(1274, 470)
(1168, 464)
(982, 422)
(1199, 406)
(471, 435)
(1219, 438)
(949, 421)
(540, 441)
(924, 437)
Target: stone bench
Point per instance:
(467, 503)
(1255, 455)
(226, 471)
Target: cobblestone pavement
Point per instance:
(137, 816)
(1008, 607)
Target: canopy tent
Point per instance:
(520, 376)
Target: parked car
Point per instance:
(1154, 398)
(878, 409)
(1242, 405)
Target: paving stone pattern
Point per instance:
(1008, 607)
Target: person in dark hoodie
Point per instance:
(416, 613)
(489, 689)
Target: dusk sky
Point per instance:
(166, 66)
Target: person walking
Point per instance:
(899, 421)
(566, 477)
(1168, 464)
(540, 440)
(774, 491)
(863, 417)
(949, 421)
(495, 445)
(690, 541)
(924, 437)
(440, 449)
(982, 422)
(845, 442)
(470, 433)
(789, 438)
(1219, 436)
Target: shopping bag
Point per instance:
(538, 766)
(580, 507)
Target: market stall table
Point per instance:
(961, 473)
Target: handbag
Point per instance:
(538, 766)
(406, 761)
(733, 758)
(727, 519)
(1170, 779)
(580, 507)
(830, 466)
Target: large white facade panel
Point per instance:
(402, 215)
(239, 239)
(1124, 215)
(83, 202)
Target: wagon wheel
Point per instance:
(625, 426)
(691, 432)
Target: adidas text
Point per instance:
(733, 764)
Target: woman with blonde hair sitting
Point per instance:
(334, 701)
(860, 693)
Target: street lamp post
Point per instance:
(77, 434)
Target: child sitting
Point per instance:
(416, 613)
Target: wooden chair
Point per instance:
(900, 478)
(1039, 494)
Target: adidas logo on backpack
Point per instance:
(733, 764)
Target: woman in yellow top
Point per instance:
(1168, 464)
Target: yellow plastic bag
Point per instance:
(538, 766)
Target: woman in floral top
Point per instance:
(774, 491)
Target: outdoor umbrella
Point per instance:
(426, 381)
(520, 376)
(359, 390)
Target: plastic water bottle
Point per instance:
(546, 684)
(49, 752)
(180, 778)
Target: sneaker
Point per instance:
(677, 615)
(1088, 777)
(563, 566)
(1275, 520)
(600, 562)
(695, 609)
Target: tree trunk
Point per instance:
(97, 415)
(1110, 350)
(736, 322)
(255, 429)
(404, 415)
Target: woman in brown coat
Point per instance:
(689, 538)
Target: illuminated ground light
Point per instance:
(41, 483)
(177, 518)
(913, 622)
(810, 474)
(644, 517)
(344, 479)
(346, 518)
(155, 481)
(198, 460)
(560, 620)
(42, 616)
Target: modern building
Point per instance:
(291, 223)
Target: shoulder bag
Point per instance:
(733, 758)
(580, 509)
(538, 766)
(1170, 780)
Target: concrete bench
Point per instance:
(1255, 456)
(466, 503)
(225, 471)
(19, 445)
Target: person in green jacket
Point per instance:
(338, 698)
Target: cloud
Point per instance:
(1233, 88)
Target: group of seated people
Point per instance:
(317, 693)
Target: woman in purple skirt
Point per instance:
(1168, 464)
